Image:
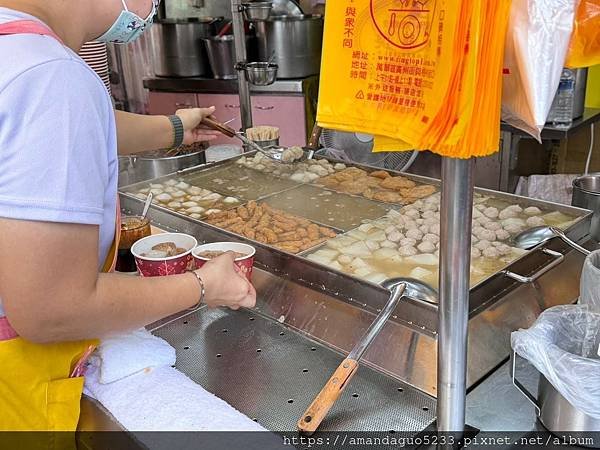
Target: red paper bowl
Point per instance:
(245, 263)
(160, 267)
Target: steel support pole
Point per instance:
(239, 36)
(455, 262)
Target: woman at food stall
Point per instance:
(58, 208)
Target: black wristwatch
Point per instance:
(178, 130)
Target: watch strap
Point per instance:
(178, 130)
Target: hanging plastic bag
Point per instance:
(563, 346)
(589, 289)
(536, 46)
(414, 76)
(584, 49)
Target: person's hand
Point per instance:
(194, 131)
(224, 285)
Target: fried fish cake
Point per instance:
(388, 197)
(397, 183)
(419, 192)
(382, 174)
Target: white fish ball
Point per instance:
(532, 211)
(491, 252)
(426, 247)
(491, 212)
(430, 237)
(493, 226)
(502, 235)
(536, 221)
(414, 234)
(407, 251)
(408, 242)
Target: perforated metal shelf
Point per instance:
(271, 373)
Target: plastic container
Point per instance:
(564, 101)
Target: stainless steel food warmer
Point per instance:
(307, 316)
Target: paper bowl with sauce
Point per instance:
(245, 261)
(164, 254)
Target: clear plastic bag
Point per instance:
(562, 345)
(537, 41)
(589, 289)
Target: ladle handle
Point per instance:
(569, 241)
(313, 142)
(218, 126)
(318, 409)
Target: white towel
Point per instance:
(128, 353)
(164, 399)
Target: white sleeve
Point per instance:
(56, 133)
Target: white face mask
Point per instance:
(128, 26)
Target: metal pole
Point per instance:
(455, 262)
(239, 36)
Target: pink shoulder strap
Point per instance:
(27, 27)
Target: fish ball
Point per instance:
(491, 212)
(532, 211)
(491, 252)
(414, 234)
(407, 251)
(395, 236)
(536, 221)
(493, 226)
(408, 242)
(482, 245)
(430, 237)
(426, 247)
(502, 235)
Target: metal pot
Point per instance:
(586, 194)
(221, 54)
(554, 411)
(133, 169)
(296, 42)
(177, 47)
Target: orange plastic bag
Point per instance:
(413, 73)
(584, 48)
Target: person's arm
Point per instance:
(51, 290)
(138, 133)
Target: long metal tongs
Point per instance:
(318, 409)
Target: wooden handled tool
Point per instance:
(218, 126)
(318, 409)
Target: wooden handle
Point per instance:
(318, 409)
(313, 142)
(226, 130)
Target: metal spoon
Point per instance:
(415, 289)
(537, 235)
(147, 204)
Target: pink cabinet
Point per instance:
(167, 103)
(285, 112)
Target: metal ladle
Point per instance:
(399, 288)
(537, 235)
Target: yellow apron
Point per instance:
(36, 390)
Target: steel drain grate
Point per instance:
(272, 373)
